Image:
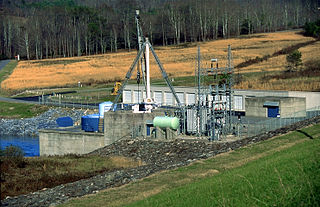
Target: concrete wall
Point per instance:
(53, 142)
(288, 106)
(122, 124)
(292, 107)
(255, 107)
(312, 98)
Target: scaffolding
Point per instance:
(211, 116)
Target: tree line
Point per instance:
(38, 29)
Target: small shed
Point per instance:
(283, 107)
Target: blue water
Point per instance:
(29, 145)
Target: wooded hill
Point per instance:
(37, 29)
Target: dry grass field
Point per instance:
(177, 60)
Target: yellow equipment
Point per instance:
(116, 87)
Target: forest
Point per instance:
(39, 29)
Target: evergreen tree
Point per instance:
(294, 60)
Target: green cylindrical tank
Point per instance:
(165, 121)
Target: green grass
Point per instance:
(55, 62)
(288, 178)
(283, 171)
(4, 74)
(20, 110)
(87, 96)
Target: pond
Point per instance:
(30, 145)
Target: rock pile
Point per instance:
(30, 126)
(158, 155)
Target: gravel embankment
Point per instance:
(158, 155)
(30, 126)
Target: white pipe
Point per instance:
(148, 70)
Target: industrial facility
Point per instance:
(207, 111)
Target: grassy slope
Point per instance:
(280, 171)
(20, 110)
(5, 72)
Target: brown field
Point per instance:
(177, 60)
(303, 80)
(21, 175)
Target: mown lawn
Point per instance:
(20, 110)
(283, 171)
(5, 73)
(7, 70)
(287, 178)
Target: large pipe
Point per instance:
(148, 70)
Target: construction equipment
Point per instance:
(116, 87)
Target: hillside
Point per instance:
(177, 60)
(281, 171)
(38, 29)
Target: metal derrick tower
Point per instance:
(142, 58)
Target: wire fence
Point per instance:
(71, 104)
(250, 126)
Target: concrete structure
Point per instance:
(120, 124)
(188, 95)
(55, 142)
(283, 107)
(117, 125)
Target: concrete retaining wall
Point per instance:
(53, 142)
(117, 125)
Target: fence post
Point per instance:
(280, 123)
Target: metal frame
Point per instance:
(134, 64)
(213, 115)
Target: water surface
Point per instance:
(30, 145)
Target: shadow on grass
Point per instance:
(305, 133)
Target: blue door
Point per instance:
(273, 111)
(148, 130)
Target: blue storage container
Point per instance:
(65, 121)
(90, 123)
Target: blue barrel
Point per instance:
(65, 121)
(90, 123)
